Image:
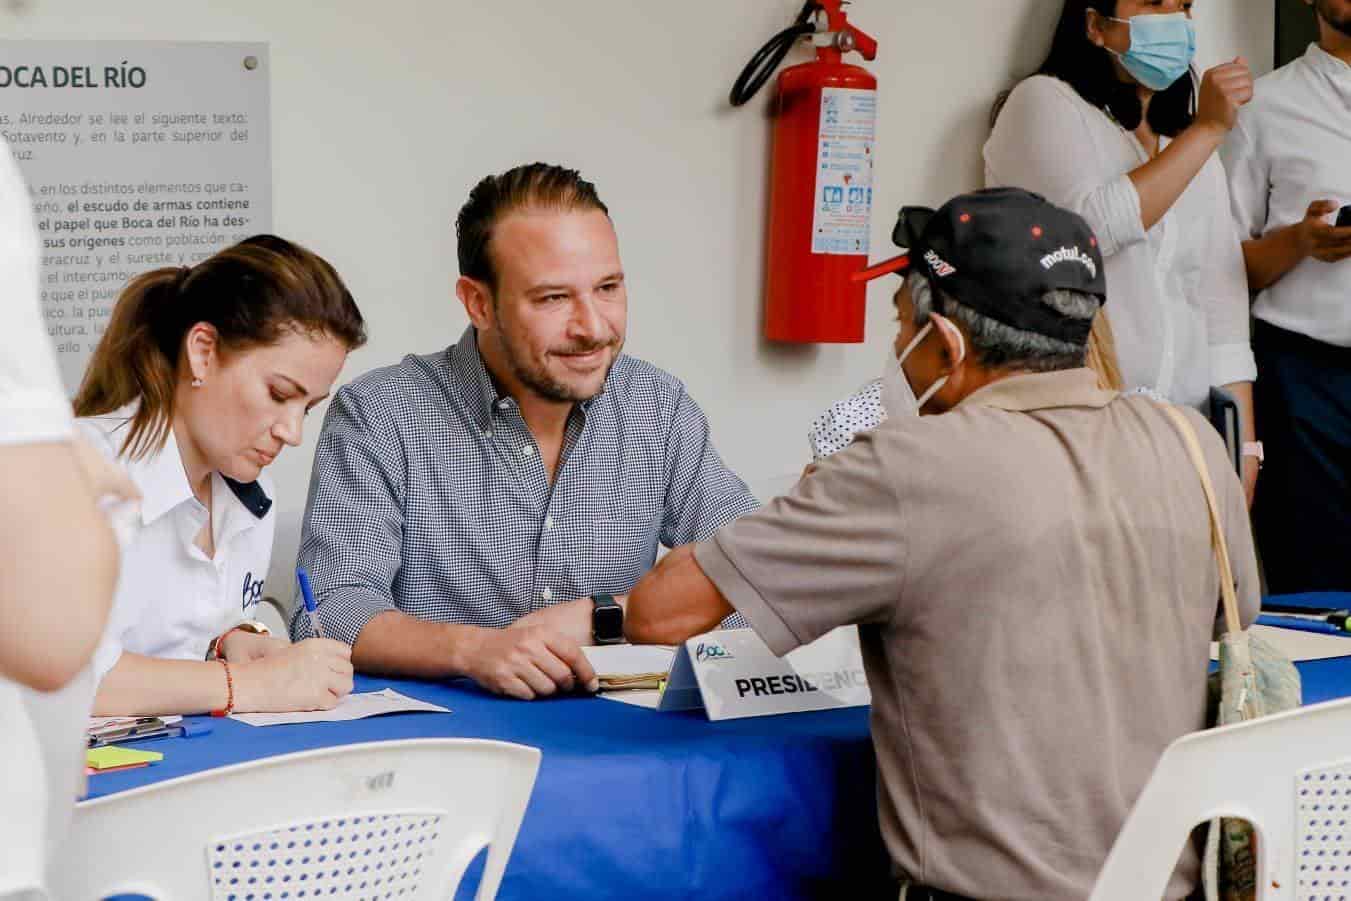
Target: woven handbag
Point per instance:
(1254, 679)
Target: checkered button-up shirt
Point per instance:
(428, 494)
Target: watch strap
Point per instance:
(599, 602)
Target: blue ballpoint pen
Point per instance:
(311, 609)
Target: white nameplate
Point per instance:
(732, 674)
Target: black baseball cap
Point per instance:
(998, 251)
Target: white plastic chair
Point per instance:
(383, 820)
(1288, 774)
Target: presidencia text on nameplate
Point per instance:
(137, 154)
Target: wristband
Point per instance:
(1254, 449)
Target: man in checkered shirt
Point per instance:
(466, 505)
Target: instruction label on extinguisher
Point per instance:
(844, 171)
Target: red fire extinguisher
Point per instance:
(820, 200)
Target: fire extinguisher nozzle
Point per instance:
(886, 267)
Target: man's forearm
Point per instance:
(1271, 256)
(674, 601)
(396, 644)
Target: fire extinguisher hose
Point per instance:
(769, 57)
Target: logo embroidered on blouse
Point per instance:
(253, 591)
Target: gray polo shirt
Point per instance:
(1035, 589)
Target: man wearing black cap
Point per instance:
(1031, 571)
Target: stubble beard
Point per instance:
(538, 379)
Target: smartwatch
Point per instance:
(607, 620)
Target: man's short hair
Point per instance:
(537, 185)
(999, 346)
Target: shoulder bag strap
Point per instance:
(1227, 591)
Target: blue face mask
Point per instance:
(1162, 48)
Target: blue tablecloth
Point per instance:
(631, 803)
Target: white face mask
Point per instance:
(898, 397)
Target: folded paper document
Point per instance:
(352, 707)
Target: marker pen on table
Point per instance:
(1302, 624)
(311, 609)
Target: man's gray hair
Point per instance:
(1000, 346)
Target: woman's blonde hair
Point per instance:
(1101, 356)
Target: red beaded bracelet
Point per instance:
(229, 707)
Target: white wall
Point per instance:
(386, 113)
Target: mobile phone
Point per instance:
(1344, 216)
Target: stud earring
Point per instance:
(197, 383)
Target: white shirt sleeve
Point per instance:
(1223, 289)
(33, 405)
(1045, 143)
(1249, 182)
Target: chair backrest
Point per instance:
(1288, 774)
(397, 819)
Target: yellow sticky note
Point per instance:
(110, 757)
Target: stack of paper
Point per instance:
(633, 674)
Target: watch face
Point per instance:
(608, 622)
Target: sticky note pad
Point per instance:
(113, 757)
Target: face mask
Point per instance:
(898, 397)
(1162, 49)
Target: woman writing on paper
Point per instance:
(204, 374)
(1116, 126)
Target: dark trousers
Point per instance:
(1303, 508)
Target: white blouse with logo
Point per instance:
(172, 599)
